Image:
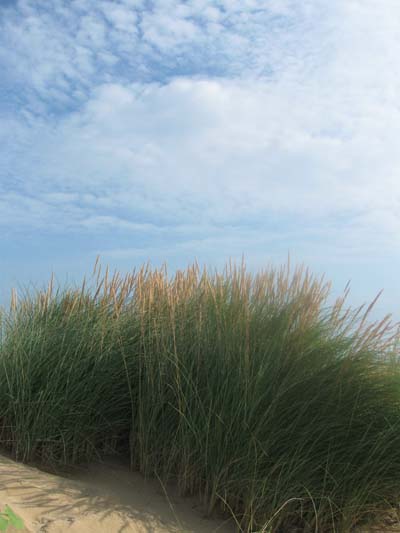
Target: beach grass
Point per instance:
(249, 391)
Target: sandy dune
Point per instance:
(105, 498)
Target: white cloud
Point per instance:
(215, 127)
(227, 149)
(76, 45)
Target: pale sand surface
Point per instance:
(105, 498)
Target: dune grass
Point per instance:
(249, 391)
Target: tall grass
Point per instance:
(249, 391)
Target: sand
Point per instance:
(106, 498)
(102, 498)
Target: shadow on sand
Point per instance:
(104, 497)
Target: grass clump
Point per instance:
(249, 391)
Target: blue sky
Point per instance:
(171, 130)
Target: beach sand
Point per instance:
(101, 498)
(105, 498)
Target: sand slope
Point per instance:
(104, 498)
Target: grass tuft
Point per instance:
(249, 391)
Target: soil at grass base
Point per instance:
(101, 498)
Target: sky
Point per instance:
(167, 130)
